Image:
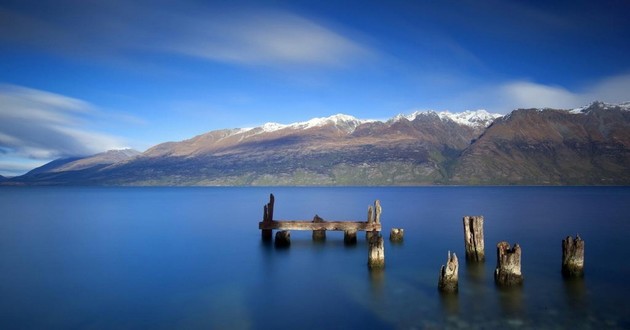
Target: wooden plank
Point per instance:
(326, 225)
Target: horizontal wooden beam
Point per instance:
(326, 225)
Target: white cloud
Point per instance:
(267, 38)
(35, 124)
(523, 94)
(507, 96)
(210, 31)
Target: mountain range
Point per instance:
(584, 146)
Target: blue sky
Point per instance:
(81, 77)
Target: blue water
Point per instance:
(106, 258)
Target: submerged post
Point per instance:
(473, 238)
(283, 238)
(268, 217)
(573, 256)
(508, 271)
(447, 281)
(396, 234)
(376, 253)
(318, 235)
(350, 236)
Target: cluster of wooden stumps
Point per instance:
(319, 227)
(508, 270)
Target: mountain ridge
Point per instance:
(587, 145)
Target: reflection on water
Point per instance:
(475, 273)
(575, 293)
(449, 303)
(511, 301)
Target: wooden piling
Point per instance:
(318, 235)
(350, 236)
(473, 238)
(283, 238)
(573, 256)
(267, 234)
(508, 271)
(377, 211)
(448, 281)
(373, 217)
(396, 234)
(376, 253)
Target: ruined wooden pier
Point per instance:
(319, 225)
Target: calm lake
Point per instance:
(117, 258)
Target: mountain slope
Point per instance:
(331, 151)
(589, 146)
(76, 170)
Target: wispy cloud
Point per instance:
(504, 97)
(524, 94)
(265, 38)
(39, 125)
(222, 34)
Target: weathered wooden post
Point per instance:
(370, 219)
(350, 236)
(473, 237)
(508, 271)
(396, 234)
(376, 253)
(447, 281)
(268, 217)
(573, 256)
(374, 216)
(318, 235)
(283, 238)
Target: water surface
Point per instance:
(193, 258)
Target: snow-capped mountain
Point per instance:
(590, 145)
(477, 118)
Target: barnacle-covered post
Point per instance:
(448, 281)
(473, 238)
(573, 256)
(508, 271)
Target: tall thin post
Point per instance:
(267, 234)
(473, 238)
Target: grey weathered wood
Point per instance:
(283, 238)
(396, 234)
(473, 238)
(448, 280)
(508, 270)
(377, 211)
(326, 225)
(376, 252)
(573, 256)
